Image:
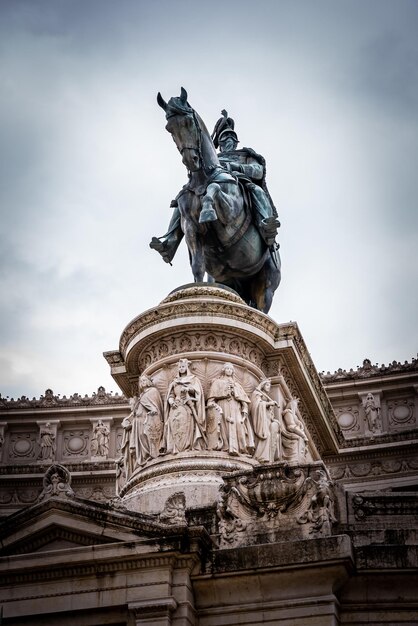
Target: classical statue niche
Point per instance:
(100, 441)
(371, 406)
(47, 442)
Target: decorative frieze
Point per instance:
(376, 504)
(373, 468)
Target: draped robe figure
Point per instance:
(147, 423)
(185, 412)
(294, 438)
(266, 427)
(226, 392)
(371, 410)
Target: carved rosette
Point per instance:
(401, 413)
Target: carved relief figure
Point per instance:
(125, 447)
(320, 512)
(266, 426)
(185, 412)
(147, 423)
(227, 394)
(47, 442)
(294, 438)
(100, 441)
(121, 476)
(372, 412)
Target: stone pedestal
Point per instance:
(209, 326)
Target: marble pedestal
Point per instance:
(210, 325)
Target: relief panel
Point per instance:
(23, 446)
(401, 413)
(75, 443)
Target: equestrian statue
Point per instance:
(224, 212)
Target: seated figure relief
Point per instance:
(294, 439)
(266, 424)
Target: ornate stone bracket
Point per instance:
(56, 482)
(174, 511)
(296, 500)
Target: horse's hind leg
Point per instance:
(264, 284)
(194, 245)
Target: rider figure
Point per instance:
(249, 168)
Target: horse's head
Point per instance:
(189, 133)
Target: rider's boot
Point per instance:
(162, 248)
(208, 213)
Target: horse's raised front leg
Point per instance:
(208, 213)
(216, 204)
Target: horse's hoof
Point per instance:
(207, 215)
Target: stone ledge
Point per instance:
(308, 552)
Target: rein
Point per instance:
(197, 147)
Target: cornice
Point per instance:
(50, 401)
(367, 371)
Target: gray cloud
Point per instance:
(326, 91)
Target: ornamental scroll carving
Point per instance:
(56, 482)
(296, 500)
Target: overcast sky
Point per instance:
(326, 90)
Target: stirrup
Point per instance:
(207, 214)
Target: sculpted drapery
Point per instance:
(235, 433)
(294, 438)
(143, 428)
(147, 425)
(185, 412)
(230, 422)
(266, 426)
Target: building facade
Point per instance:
(235, 485)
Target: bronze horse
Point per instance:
(213, 211)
